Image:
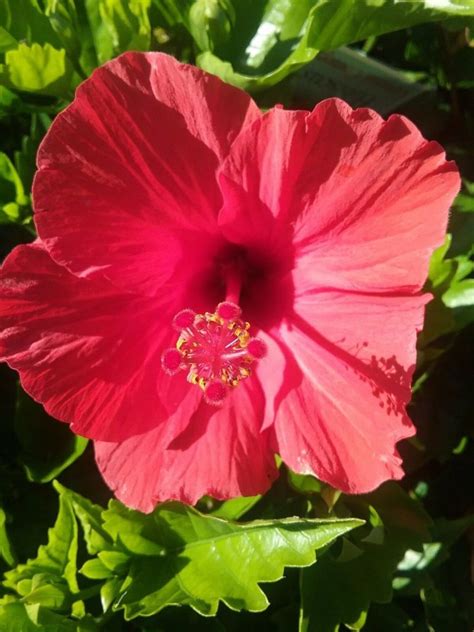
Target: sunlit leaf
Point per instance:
(37, 68)
(275, 37)
(196, 559)
(16, 616)
(6, 549)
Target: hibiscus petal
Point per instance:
(365, 199)
(221, 452)
(347, 389)
(131, 164)
(89, 353)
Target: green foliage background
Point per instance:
(394, 560)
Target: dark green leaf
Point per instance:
(63, 17)
(56, 559)
(48, 446)
(339, 589)
(24, 21)
(118, 26)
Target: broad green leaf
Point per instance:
(235, 508)
(118, 26)
(55, 561)
(339, 589)
(37, 68)
(273, 38)
(24, 21)
(204, 560)
(47, 446)
(6, 550)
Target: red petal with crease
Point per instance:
(365, 199)
(220, 452)
(131, 163)
(353, 359)
(88, 353)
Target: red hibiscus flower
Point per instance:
(213, 285)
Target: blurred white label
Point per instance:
(356, 78)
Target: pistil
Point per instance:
(215, 348)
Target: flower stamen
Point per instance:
(215, 348)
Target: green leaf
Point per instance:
(7, 41)
(210, 22)
(25, 157)
(339, 589)
(24, 21)
(441, 269)
(55, 561)
(46, 590)
(118, 26)
(8, 99)
(63, 17)
(197, 559)
(37, 68)
(273, 38)
(12, 192)
(6, 550)
(47, 446)
(235, 508)
(460, 294)
(90, 517)
(304, 483)
(20, 617)
(413, 571)
(95, 569)
(110, 592)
